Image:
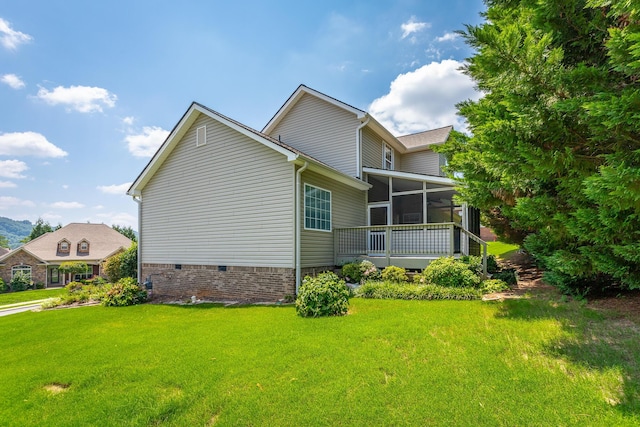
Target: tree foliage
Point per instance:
(554, 160)
(123, 264)
(39, 228)
(126, 231)
(4, 242)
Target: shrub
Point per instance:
(508, 276)
(39, 285)
(473, 263)
(447, 271)
(112, 267)
(72, 287)
(358, 271)
(493, 285)
(3, 286)
(394, 274)
(324, 295)
(351, 272)
(391, 290)
(125, 292)
(492, 264)
(20, 282)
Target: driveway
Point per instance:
(6, 310)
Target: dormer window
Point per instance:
(83, 247)
(387, 157)
(63, 246)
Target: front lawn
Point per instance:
(501, 249)
(23, 296)
(389, 362)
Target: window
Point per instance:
(83, 246)
(24, 269)
(55, 275)
(387, 157)
(317, 208)
(63, 246)
(88, 274)
(201, 136)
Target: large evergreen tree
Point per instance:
(554, 156)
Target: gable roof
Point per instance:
(190, 116)
(299, 93)
(425, 139)
(103, 240)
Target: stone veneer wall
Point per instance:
(38, 271)
(251, 284)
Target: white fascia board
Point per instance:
(334, 174)
(290, 155)
(295, 97)
(409, 175)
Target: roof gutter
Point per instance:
(297, 224)
(359, 148)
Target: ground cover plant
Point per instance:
(388, 362)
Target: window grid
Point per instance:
(388, 157)
(25, 269)
(317, 208)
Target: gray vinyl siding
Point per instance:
(321, 130)
(348, 209)
(371, 149)
(228, 202)
(425, 162)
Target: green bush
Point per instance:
(20, 282)
(323, 295)
(39, 285)
(507, 275)
(492, 264)
(125, 292)
(493, 285)
(72, 287)
(449, 272)
(394, 274)
(392, 290)
(359, 271)
(3, 286)
(351, 272)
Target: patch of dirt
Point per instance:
(56, 388)
(625, 305)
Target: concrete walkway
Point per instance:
(19, 307)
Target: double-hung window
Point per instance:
(387, 160)
(317, 208)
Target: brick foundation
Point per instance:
(250, 284)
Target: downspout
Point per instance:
(359, 149)
(138, 200)
(298, 216)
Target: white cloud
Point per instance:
(84, 99)
(12, 169)
(120, 218)
(128, 120)
(28, 144)
(146, 143)
(447, 37)
(412, 27)
(13, 81)
(65, 186)
(98, 207)
(7, 184)
(8, 202)
(11, 38)
(66, 205)
(425, 99)
(115, 188)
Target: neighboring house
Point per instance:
(229, 212)
(41, 257)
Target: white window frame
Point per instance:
(85, 249)
(201, 136)
(316, 209)
(65, 250)
(24, 268)
(387, 163)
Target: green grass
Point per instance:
(15, 297)
(501, 249)
(518, 362)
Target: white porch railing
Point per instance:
(426, 241)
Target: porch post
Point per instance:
(387, 246)
(452, 237)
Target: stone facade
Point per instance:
(217, 283)
(38, 269)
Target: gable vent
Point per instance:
(201, 136)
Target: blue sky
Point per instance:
(89, 89)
